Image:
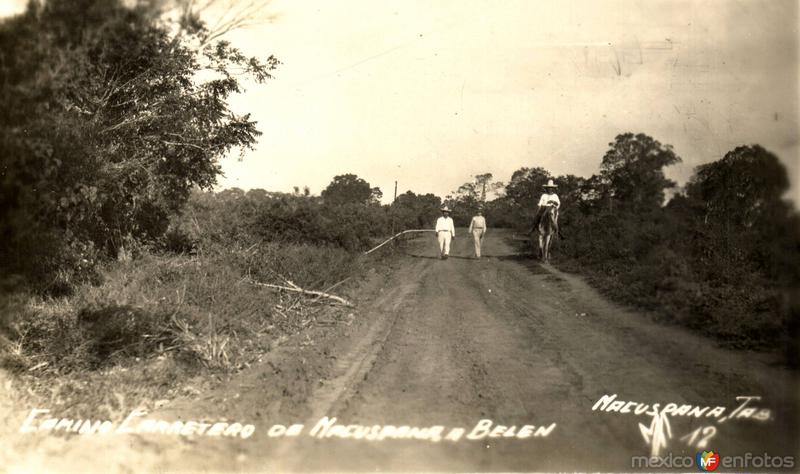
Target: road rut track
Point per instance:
(453, 342)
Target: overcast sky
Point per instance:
(430, 93)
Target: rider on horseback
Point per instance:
(548, 198)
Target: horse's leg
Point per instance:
(541, 246)
(548, 241)
(553, 229)
(545, 238)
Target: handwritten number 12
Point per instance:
(707, 433)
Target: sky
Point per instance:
(430, 93)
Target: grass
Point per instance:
(165, 325)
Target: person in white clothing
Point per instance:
(477, 227)
(548, 198)
(445, 232)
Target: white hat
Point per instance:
(445, 209)
(550, 184)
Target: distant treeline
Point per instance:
(341, 217)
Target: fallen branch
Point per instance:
(331, 287)
(297, 289)
(396, 236)
(38, 366)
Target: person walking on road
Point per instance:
(445, 232)
(477, 227)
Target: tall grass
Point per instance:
(163, 323)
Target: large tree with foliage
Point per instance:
(744, 185)
(525, 186)
(108, 119)
(742, 213)
(350, 189)
(633, 171)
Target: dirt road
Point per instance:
(451, 343)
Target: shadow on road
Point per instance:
(437, 258)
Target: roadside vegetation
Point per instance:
(720, 256)
(125, 279)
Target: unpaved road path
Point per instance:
(454, 342)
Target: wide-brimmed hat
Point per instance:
(445, 209)
(550, 184)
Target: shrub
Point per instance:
(234, 218)
(91, 163)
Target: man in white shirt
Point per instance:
(477, 227)
(445, 232)
(548, 197)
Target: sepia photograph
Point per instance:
(399, 236)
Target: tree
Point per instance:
(105, 127)
(525, 186)
(305, 192)
(228, 15)
(633, 170)
(744, 185)
(594, 192)
(570, 189)
(375, 195)
(483, 184)
(742, 216)
(416, 211)
(470, 196)
(500, 212)
(350, 189)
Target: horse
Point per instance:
(548, 227)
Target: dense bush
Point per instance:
(731, 274)
(233, 217)
(415, 211)
(104, 130)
